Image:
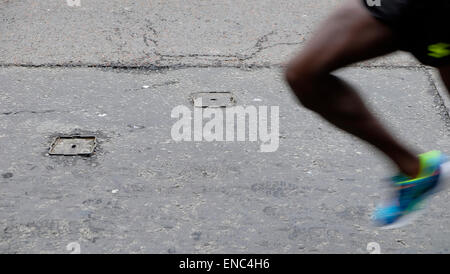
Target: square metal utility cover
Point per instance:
(214, 99)
(73, 145)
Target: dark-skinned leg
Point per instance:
(445, 75)
(350, 35)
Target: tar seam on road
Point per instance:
(440, 101)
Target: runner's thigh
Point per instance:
(351, 34)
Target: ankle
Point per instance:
(411, 167)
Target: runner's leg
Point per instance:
(445, 75)
(350, 35)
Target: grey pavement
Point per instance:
(117, 68)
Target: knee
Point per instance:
(302, 83)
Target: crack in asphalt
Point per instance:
(156, 67)
(28, 111)
(150, 67)
(257, 48)
(239, 61)
(438, 100)
(175, 61)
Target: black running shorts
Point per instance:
(421, 27)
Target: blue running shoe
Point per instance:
(411, 192)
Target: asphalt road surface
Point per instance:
(117, 68)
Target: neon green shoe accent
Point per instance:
(429, 162)
(439, 50)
